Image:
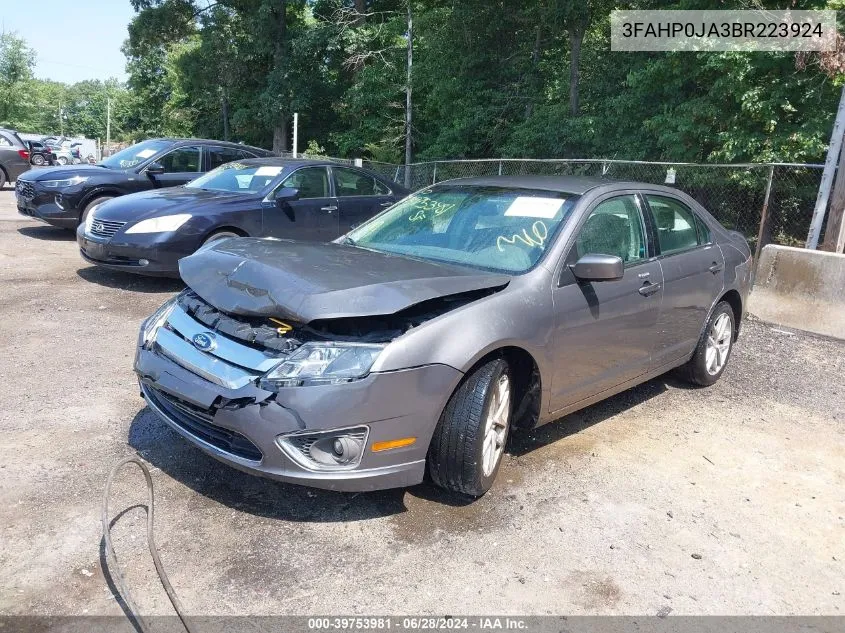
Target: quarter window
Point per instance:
(312, 182)
(614, 227)
(675, 222)
(184, 159)
(349, 182)
(4, 141)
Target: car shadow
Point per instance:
(168, 451)
(46, 232)
(129, 281)
(524, 442)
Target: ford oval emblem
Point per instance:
(204, 341)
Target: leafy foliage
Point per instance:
(533, 78)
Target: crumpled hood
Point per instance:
(166, 201)
(304, 281)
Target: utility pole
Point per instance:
(108, 125)
(295, 133)
(827, 176)
(61, 120)
(408, 140)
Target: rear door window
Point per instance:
(349, 182)
(675, 223)
(221, 155)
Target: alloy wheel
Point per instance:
(718, 344)
(496, 426)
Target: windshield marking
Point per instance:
(539, 233)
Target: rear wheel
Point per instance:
(37, 160)
(469, 441)
(2, 178)
(714, 347)
(62, 160)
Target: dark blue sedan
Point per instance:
(313, 200)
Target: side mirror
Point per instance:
(592, 267)
(154, 169)
(285, 195)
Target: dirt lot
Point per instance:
(726, 500)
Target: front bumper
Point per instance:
(47, 205)
(160, 257)
(244, 431)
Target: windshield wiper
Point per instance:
(348, 241)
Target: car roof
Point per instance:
(301, 162)
(577, 185)
(210, 141)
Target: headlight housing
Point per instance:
(160, 225)
(89, 218)
(155, 321)
(322, 363)
(65, 182)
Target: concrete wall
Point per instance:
(801, 289)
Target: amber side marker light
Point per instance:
(386, 446)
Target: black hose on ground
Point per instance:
(114, 569)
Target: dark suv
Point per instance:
(14, 156)
(62, 196)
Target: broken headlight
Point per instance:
(156, 320)
(322, 363)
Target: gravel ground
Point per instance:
(727, 500)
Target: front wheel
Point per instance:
(220, 235)
(90, 207)
(714, 347)
(469, 441)
(62, 160)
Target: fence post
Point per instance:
(500, 168)
(434, 175)
(396, 176)
(764, 217)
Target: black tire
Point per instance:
(455, 456)
(38, 160)
(220, 235)
(696, 370)
(91, 205)
(61, 160)
(2, 178)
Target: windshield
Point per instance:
(134, 154)
(496, 228)
(237, 177)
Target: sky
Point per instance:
(73, 39)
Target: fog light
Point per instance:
(59, 201)
(338, 449)
(143, 262)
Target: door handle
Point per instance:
(385, 204)
(716, 268)
(329, 208)
(648, 289)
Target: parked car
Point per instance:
(61, 196)
(14, 156)
(67, 153)
(40, 154)
(419, 340)
(304, 199)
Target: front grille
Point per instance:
(260, 333)
(198, 422)
(104, 228)
(25, 189)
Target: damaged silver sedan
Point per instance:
(415, 344)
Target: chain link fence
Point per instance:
(735, 194)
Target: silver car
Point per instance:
(415, 344)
